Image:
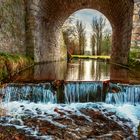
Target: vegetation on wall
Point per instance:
(134, 57)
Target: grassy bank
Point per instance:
(12, 64)
(134, 57)
(90, 56)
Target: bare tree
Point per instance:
(98, 25)
(93, 43)
(70, 35)
(81, 36)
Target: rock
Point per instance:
(59, 112)
(139, 131)
(15, 122)
(38, 111)
(70, 126)
(28, 112)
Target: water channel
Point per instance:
(47, 97)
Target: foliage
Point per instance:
(106, 44)
(134, 57)
(135, 52)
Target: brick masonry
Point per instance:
(43, 20)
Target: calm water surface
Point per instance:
(79, 70)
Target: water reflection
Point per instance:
(87, 70)
(50, 71)
(78, 70)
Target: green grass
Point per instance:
(12, 63)
(91, 56)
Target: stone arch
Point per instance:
(50, 15)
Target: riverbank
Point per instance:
(132, 62)
(12, 64)
(91, 57)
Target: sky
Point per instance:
(86, 16)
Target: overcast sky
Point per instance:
(87, 15)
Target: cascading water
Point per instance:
(29, 104)
(83, 92)
(74, 92)
(38, 93)
(126, 94)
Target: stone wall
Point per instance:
(136, 25)
(12, 26)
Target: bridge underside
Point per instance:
(48, 16)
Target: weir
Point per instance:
(72, 92)
(83, 92)
(38, 93)
(126, 94)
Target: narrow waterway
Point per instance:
(78, 70)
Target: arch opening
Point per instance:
(87, 32)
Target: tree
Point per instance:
(74, 36)
(93, 43)
(106, 44)
(70, 35)
(98, 25)
(81, 36)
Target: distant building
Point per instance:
(136, 25)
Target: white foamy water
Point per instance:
(39, 100)
(126, 111)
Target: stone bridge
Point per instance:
(44, 19)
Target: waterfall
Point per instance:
(38, 93)
(83, 92)
(127, 94)
(73, 92)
